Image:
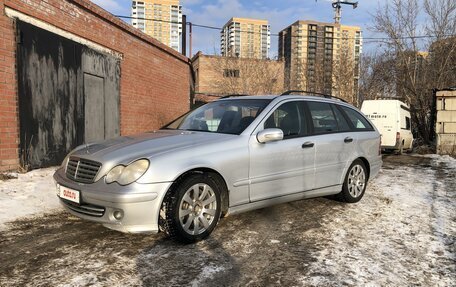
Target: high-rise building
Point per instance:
(321, 57)
(160, 19)
(246, 38)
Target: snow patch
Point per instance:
(403, 228)
(28, 194)
(208, 272)
(447, 160)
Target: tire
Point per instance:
(191, 211)
(355, 183)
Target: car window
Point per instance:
(323, 118)
(289, 117)
(342, 123)
(226, 116)
(407, 123)
(358, 121)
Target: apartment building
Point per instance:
(246, 38)
(321, 57)
(159, 19)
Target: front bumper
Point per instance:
(139, 204)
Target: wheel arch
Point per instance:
(366, 164)
(215, 174)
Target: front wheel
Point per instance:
(355, 182)
(191, 211)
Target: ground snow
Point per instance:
(401, 233)
(207, 273)
(28, 194)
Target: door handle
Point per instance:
(307, 144)
(348, 140)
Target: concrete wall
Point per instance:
(154, 82)
(446, 122)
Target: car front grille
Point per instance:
(86, 209)
(82, 170)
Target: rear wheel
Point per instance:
(355, 182)
(191, 211)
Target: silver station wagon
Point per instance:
(225, 157)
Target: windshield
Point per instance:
(227, 116)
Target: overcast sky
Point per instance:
(279, 13)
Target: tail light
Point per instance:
(398, 136)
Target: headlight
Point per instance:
(126, 175)
(114, 174)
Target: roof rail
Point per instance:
(312, 93)
(234, 95)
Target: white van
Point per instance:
(392, 119)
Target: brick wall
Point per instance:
(216, 75)
(155, 80)
(9, 128)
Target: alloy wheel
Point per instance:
(197, 209)
(356, 181)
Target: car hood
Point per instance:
(122, 150)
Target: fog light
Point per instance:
(118, 214)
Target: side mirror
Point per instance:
(269, 135)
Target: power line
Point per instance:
(374, 39)
(147, 19)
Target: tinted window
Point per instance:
(357, 120)
(341, 121)
(323, 118)
(290, 118)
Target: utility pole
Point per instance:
(190, 39)
(184, 35)
(337, 5)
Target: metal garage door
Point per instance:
(68, 95)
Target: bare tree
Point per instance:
(377, 76)
(247, 76)
(344, 72)
(417, 73)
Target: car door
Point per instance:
(406, 131)
(334, 143)
(367, 138)
(286, 166)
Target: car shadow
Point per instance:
(169, 263)
(269, 246)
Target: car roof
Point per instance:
(286, 97)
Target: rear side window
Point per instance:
(358, 121)
(407, 123)
(341, 121)
(323, 118)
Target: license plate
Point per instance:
(69, 194)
